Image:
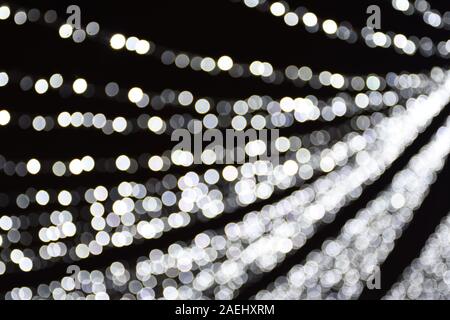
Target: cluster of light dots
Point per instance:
(326, 162)
(428, 277)
(192, 265)
(265, 252)
(341, 268)
(168, 199)
(65, 198)
(211, 177)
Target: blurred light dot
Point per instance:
(330, 27)
(26, 264)
(56, 81)
(143, 47)
(5, 117)
(4, 12)
(64, 198)
(65, 31)
(277, 9)
(20, 18)
(119, 124)
(118, 41)
(290, 168)
(41, 86)
(135, 95)
(42, 198)
(309, 19)
(4, 79)
(80, 86)
(230, 173)
(225, 63)
(291, 19)
(155, 124)
(92, 28)
(123, 163)
(155, 163)
(33, 166)
(185, 98)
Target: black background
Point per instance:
(209, 28)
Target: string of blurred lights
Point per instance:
(303, 109)
(182, 60)
(344, 31)
(337, 107)
(430, 16)
(196, 62)
(340, 270)
(77, 166)
(428, 277)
